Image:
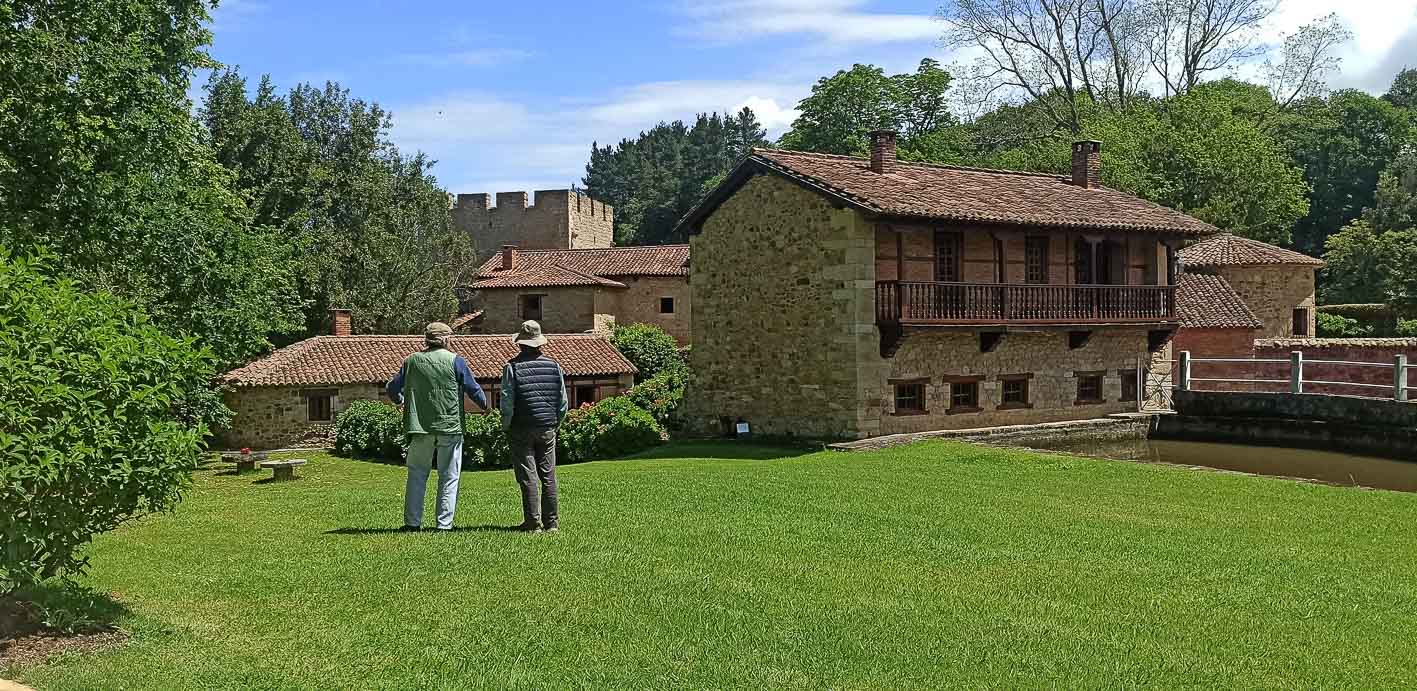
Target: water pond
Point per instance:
(1332, 467)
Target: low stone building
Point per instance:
(590, 289)
(291, 397)
(846, 297)
(1214, 318)
(1277, 284)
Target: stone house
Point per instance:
(291, 397)
(1277, 284)
(847, 297)
(585, 290)
(1215, 319)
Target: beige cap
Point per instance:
(530, 335)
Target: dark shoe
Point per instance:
(553, 528)
(529, 527)
(410, 529)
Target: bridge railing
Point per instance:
(1266, 372)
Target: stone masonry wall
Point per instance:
(641, 303)
(275, 417)
(935, 355)
(563, 310)
(784, 314)
(1273, 293)
(1375, 350)
(559, 219)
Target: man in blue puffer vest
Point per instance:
(533, 403)
(436, 380)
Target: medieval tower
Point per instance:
(556, 219)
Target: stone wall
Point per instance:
(1218, 343)
(1273, 293)
(936, 356)
(1375, 350)
(558, 219)
(784, 316)
(563, 310)
(640, 303)
(276, 417)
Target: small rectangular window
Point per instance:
(1301, 322)
(1089, 388)
(1014, 392)
(320, 404)
(1129, 384)
(910, 398)
(964, 396)
(531, 307)
(585, 394)
(666, 305)
(948, 248)
(1036, 260)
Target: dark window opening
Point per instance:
(320, 405)
(948, 248)
(1301, 322)
(1035, 256)
(1015, 392)
(666, 305)
(585, 394)
(531, 307)
(910, 398)
(964, 395)
(1089, 388)
(1082, 262)
(1129, 384)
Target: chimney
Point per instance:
(883, 151)
(1087, 163)
(339, 322)
(509, 257)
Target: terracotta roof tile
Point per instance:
(958, 193)
(1233, 250)
(334, 360)
(542, 275)
(548, 267)
(1208, 302)
(462, 320)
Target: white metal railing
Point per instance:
(1399, 389)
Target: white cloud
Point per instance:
(644, 105)
(459, 120)
(481, 57)
(836, 21)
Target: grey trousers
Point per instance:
(534, 460)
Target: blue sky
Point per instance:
(509, 97)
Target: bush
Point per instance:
(648, 347)
(102, 419)
(370, 429)
(612, 428)
(484, 442)
(1336, 326)
(661, 395)
(1407, 327)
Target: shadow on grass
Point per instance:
(732, 450)
(58, 608)
(454, 529)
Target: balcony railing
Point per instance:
(902, 302)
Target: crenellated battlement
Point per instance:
(554, 219)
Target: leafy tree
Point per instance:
(844, 108)
(1403, 92)
(368, 224)
(101, 162)
(648, 347)
(101, 419)
(1371, 259)
(655, 178)
(1343, 144)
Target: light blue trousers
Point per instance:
(423, 449)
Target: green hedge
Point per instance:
(661, 395)
(648, 347)
(484, 442)
(370, 429)
(612, 428)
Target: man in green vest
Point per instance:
(435, 381)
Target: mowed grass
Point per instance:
(718, 565)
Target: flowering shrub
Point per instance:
(370, 429)
(612, 428)
(661, 394)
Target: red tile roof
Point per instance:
(956, 193)
(462, 320)
(1208, 302)
(537, 268)
(334, 360)
(542, 275)
(1233, 250)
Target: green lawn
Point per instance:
(715, 565)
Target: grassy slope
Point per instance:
(919, 566)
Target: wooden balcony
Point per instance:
(918, 303)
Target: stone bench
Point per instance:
(244, 462)
(284, 469)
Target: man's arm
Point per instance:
(509, 397)
(395, 386)
(565, 403)
(469, 383)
